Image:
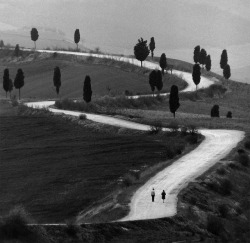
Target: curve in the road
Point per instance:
(217, 144)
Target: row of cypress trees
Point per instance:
(19, 83)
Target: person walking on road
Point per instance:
(153, 195)
(163, 194)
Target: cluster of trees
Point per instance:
(18, 82)
(141, 52)
(155, 80)
(201, 57)
(215, 112)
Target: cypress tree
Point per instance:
(57, 79)
(197, 50)
(223, 59)
(152, 46)
(17, 50)
(215, 112)
(163, 62)
(34, 35)
(152, 80)
(174, 99)
(87, 91)
(208, 63)
(19, 80)
(202, 57)
(6, 80)
(196, 74)
(227, 72)
(77, 37)
(141, 50)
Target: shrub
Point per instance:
(243, 158)
(192, 138)
(192, 129)
(156, 127)
(247, 144)
(215, 111)
(215, 225)
(82, 117)
(14, 101)
(223, 210)
(221, 171)
(215, 89)
(173, 126)
(229, 114)
(71, 229)
(226, 186)
(129, 180)
(14, 225)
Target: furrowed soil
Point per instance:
(55, 168)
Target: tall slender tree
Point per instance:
(152, 46)
(57, 79)
(196, 74)
(87, 91)
(6, 80)
(17, 50)
(174, 99)
(34, 35)
(77, 37)
(208, 63)
(141, 50)
(163, 62)
(197, 50)
(202, 57)
(223, 59)
(1, 44)
(227, 72)
(19, 80)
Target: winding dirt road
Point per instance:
(216, 145)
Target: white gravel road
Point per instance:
(217, 144)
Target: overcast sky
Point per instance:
(116, 25)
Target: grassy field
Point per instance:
(108, 77)
(64, 168)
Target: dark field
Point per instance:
(55, 168)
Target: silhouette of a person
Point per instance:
(163, 194)
(153, 195)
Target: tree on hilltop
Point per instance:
(141, 50)
(152, 46)
(223, 59)
(227, 72)
(163, 62)
(174, 99)
(197, 50)
(57, 79)
(196, 74)
(77, 37)
(1, 44)
(34, 35)
(202, 57)
(87, 91)
(17, 50)
(19, 80)
(6, 80)
(208, 63)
